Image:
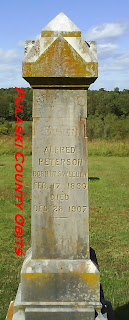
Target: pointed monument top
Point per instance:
(60, 52)
(61, 24)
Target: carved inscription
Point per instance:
(61, 131)
(59, 196)
(54, 208)
(60, 175)
(44, 209)
(71, 186)
(60, 162)
(63, 193)
(42, 108)
(69, 174)
(54, 150)
(77, 208)
(74, 100)
(78, 185)
(43, 185)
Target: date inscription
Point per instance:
(77, 208)
(59, 209)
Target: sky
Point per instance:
(106, 22)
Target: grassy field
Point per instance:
(109, 227)
(95, 147)
(109, 217)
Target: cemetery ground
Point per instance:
(109, 218)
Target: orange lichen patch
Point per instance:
(26, 68)
(83, 48)
(47, 41)
(57, 85)
(35, 120)
(60, 60)
(79, 306)
(83, 120)
(38, 276)
(37, 279)
(40, 280)
(98, 309)
(91, 279)
(46, 33)
(81, 268)
(10, 311)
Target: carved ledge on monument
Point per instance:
(22, 309)
(59, 280)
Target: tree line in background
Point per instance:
(108, 112)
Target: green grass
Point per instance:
(95, 147)
(109, 236)
(10, 264)
(109, 221)
(108, 148)
(7, 145)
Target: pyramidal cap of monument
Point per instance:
(60, 52)
(61, 23)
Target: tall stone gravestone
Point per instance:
(58, 279)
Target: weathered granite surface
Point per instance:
(60, 227)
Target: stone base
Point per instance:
(59, 280)
(59, 313)
(57, 290)
(56, 314)
(53, 310)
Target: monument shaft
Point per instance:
(60, 176)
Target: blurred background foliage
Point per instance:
(108, 113)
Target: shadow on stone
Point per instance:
(122, 313)
(107, 310)
(93, 178)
